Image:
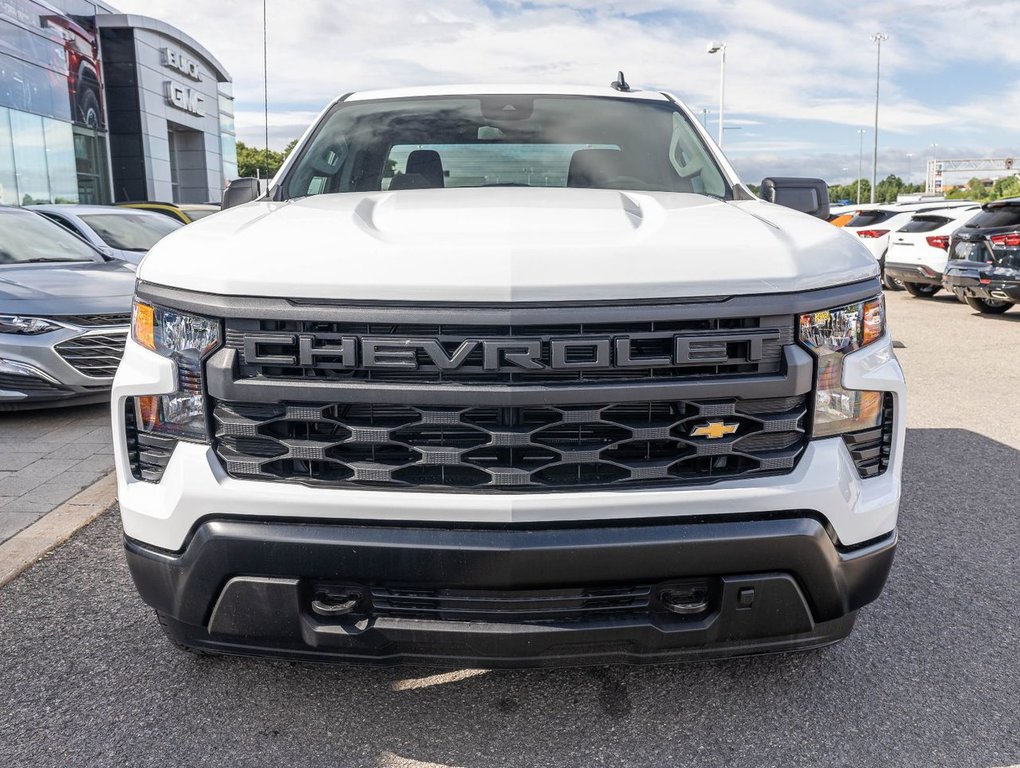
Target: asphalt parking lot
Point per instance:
(930, 676)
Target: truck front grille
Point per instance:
(510, 448)
(301, 349)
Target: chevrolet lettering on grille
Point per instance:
(345, 352)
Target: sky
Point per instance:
(800, 74)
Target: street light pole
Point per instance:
(860, 162)
(878, 38)
(721, 49)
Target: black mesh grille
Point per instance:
(95, 354)
(557, 605)
(718, 347)
(871, 448)
(516, 448)
(148, 454)
(93, 321)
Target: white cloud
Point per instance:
(786, 59)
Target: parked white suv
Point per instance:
(919, 250)
(509, 376)
(874, 224)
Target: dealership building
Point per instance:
(97, 106)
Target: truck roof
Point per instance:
(471, 89)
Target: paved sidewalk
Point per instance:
(46, 457)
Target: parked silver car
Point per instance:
(123, 233)
(65, 309)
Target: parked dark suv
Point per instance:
(984, 266)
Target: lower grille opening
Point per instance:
(671, 600)
(148, 454)
(871, 448)
(534, 448)
(33, 386)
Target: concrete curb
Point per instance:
(55, 527)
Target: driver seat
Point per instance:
(594, 168)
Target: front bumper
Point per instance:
(511, 596)
(47, 379)
(195, 486)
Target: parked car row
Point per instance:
(874, 225)
(67, 275)
(971, 250)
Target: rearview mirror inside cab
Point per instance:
(810, 196)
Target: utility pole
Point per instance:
(860, 162)
(878, 38)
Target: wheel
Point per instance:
(988, 306)
(922, 290)
(892, 283)
(88, 106)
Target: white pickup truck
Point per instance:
(509, 376)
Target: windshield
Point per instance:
(517, 140)
(996, 216)
(868, 218)
(130, 231)
(28, 237)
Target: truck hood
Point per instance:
(67, 289)
(506, 244)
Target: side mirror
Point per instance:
(810, 196)
(239, 192)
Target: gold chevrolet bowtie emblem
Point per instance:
(714, 430)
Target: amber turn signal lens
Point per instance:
(143, 320)
(874, 320)
(148, 412)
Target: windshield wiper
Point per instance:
(43, 260)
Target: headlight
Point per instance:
(830, 335)
(29, 326)
(187, 340)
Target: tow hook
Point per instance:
(333, 604)
(685, 599)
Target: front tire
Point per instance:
(988, 306)
(922, 290)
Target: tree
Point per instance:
(252, 161)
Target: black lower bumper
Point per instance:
(913, 273)
(982, 287)
(510, 596)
